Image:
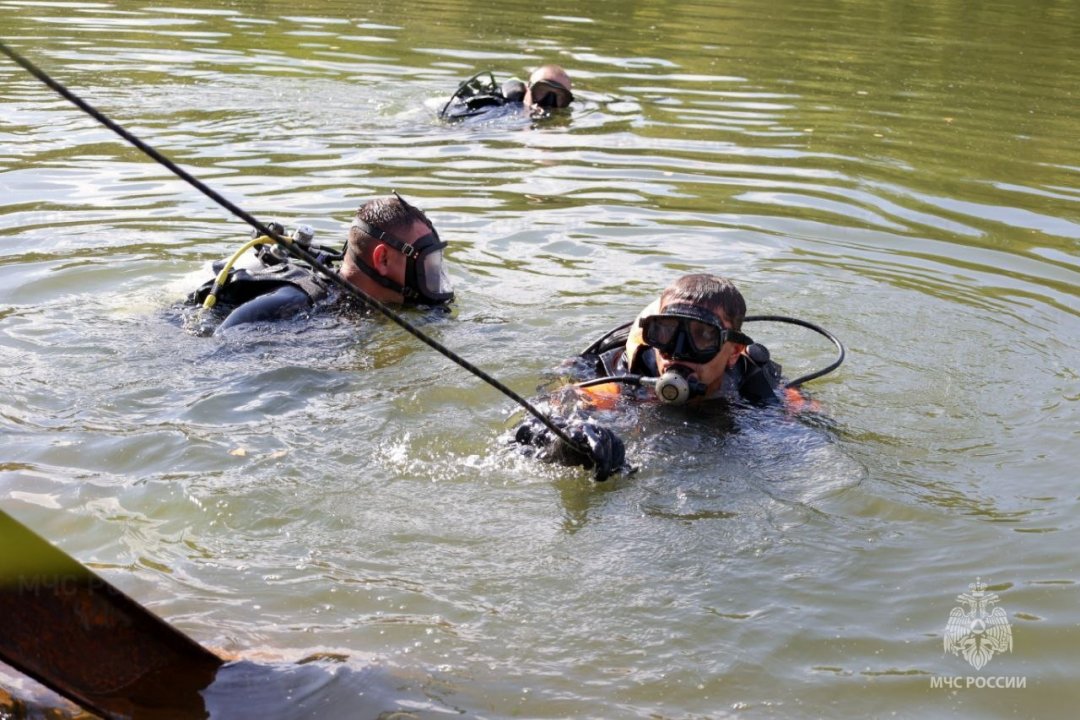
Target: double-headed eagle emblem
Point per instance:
(979, 631)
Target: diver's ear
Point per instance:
(737, 350)
(380, 260)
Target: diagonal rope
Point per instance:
(287, 244)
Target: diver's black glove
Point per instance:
(606, 453)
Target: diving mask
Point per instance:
(550, 94)
(688, 333)
(426, 281)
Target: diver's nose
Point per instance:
(680, 346)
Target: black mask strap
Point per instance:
(386, 238)
(410, 295)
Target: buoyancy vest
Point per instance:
(244, 284)
(477, 96)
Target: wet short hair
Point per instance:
(712, 292)
(391, 214)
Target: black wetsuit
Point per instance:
(487, 102)
(267, 293)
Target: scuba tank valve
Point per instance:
(270, 253)
(304, 234)
(274, 254)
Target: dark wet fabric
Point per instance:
(606, 453)
(480, 98)
(266, 293)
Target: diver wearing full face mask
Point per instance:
(393, 254)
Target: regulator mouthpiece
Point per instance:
(674, 387)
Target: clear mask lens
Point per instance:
(434, 278)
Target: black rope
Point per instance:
(288, 245)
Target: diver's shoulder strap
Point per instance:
(601, 354)
(759, 376)
(245, 284)
(613, 338)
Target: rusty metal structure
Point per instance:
(67, 628)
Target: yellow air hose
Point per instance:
(223, 276)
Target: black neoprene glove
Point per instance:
(606, 453)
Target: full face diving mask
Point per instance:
(426, 281)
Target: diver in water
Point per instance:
(480, 96)
(685, 347)
(693, 331)
(393, 254)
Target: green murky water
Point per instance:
(903, 173)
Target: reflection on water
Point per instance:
(315, 689)
(905, 179)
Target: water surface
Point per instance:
(904, 174)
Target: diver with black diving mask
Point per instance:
(482, 98)
(685, 348)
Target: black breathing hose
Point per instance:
(642, 380)
(810, 326)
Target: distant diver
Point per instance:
(481, 96)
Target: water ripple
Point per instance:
(333, 486)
